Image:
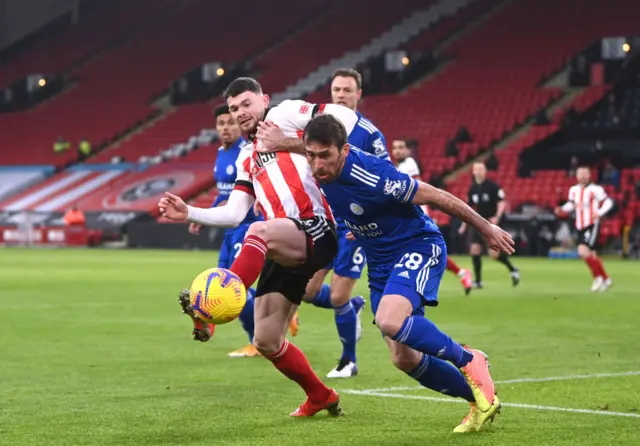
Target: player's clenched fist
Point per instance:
(172, 207)
(499, 240)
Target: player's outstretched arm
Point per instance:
(495, 237)
(230, 215)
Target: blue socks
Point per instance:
(246, 315)
(441, 376)
(422, 335)
(346, 319)
(323, 298)
(346, 324)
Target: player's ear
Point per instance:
(266, 100)
(359, 94)
(345, 149)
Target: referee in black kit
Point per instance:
(487, 199)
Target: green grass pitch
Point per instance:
(94, 350)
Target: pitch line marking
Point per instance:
(519, 380)
(516, 405)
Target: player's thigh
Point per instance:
(347, 269)
(286, 242)
(314, 285)
(272, 313)
(402, 356)
(413, 282)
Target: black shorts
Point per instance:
(475, 237)
(322, 246)
(589, 235)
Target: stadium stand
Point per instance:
(490, 93)
(112, 91)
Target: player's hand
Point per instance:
(172, 207)
(349, 235)
(270, 136)
(194, 228)
(559, 212)
(462, 229)
(499, 240)
(493, 220)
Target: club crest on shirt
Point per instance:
(395, 188)
(356, 209)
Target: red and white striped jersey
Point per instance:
(282, 182)
(590, 202)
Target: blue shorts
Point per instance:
(232, 245)
(350, 259)
(415, 275)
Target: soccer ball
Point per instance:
(217, 295)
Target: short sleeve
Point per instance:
(395, 185)
(292, 116)
(345, 115)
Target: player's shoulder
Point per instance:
(289, 108)
(366, 124)
(409, 166)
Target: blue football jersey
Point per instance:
(366, 137)
(374, 200)
(224, 173)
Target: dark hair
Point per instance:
(240, 85)
(325, 130)
(348, 72)
(221, 110)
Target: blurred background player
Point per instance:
(406, 164)
(590, 203)
(346, 90)
(487, 198)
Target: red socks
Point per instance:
(596, 267)
(452, 266)
(251, 260)
(293, 364)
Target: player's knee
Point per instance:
(475, 250)
(339, 299)
(584, 251)
(259, 229)
(389, 323)
(267, 345)
(405, 360)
